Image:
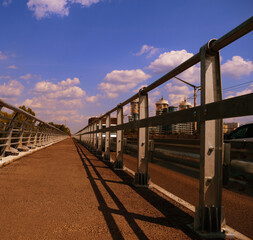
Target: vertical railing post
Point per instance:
(43, 134)
(40, 135)
(95, 138)
(99, 153)
(21, 146)
(85, 136)
(89, 137)
(209, 217)
(107, 156)
(141, 176)
(9, 130)
(29, 144)
(119, 164)
(36, 137)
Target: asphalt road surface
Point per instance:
(238, 207)
(64, 192)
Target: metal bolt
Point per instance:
(208, 180)
(210, 150)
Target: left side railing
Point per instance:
(21, 131)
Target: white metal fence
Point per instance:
(209, 218)
(21, 131)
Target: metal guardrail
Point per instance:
(21, 131)
(209, 219)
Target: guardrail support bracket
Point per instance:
(141, 177)
(119, 164)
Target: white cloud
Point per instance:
(11, 89)
(85, 3)
(6, 2)
(93, 99)
(237, 67)
(68, 116)
(122, 81)
(45, 87)
(71, 102)
(155, 93)
(71, 92)
(149, 50)
(111, 95)
(36, 102)
(61, 90)
(169, 60)
(69, 82)
(127, 76)
(2, 56)
(246, 91)
(177, 92)
(139, 88)
(58, 102)
(56, 95)
(26, 77)
(5, 77)
(12, 67)
(46, 8)
(152, 99)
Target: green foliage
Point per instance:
(4, 117)
(62, 127)
(29, 110)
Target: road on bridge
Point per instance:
(64, 192)
(238, 207)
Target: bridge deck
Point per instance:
(64, 192)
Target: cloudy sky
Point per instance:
(72, 59)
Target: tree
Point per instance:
(62, 127)
(29, 110)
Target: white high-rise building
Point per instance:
(186, 128)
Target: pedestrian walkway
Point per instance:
(65, 192)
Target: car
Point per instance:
(241, 134)
(241, 151)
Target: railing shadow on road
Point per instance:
(173, 216)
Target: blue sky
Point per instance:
(72, 59)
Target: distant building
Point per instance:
(184, 105)
(162, 107)
(186, 128)
(171, 126)
(134, 110)
(229, 127)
